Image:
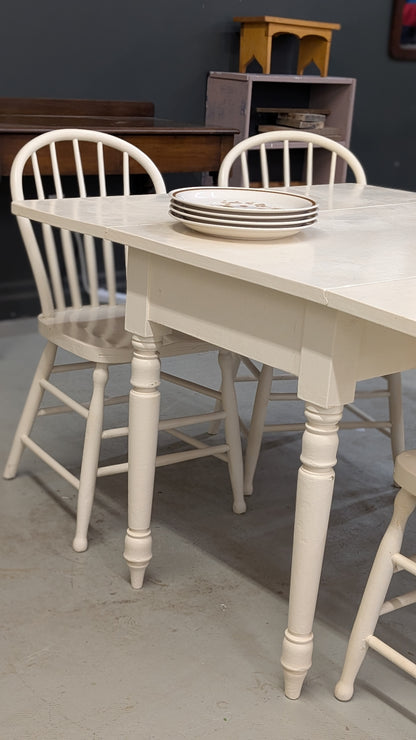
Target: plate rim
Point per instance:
(215, 189)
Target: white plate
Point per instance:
(254, 218)
(183, 215)
(237, 232)
(246, 200)
(245, 213)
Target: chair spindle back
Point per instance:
(273, 140)
(70, 269)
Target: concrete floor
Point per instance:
(195, 654)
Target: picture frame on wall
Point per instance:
(403, 30)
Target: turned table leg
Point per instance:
(313, 503)
(144, 407)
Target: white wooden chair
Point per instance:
(388, 560)
(75, 320)
(255, 152)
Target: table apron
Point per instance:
(170, 151)
(327, 349)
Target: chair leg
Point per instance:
(374, 594)
(255, 434)
(30, 410)
(232, 429)
(90, 457)
(215, 425)
(394, 382)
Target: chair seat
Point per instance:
(405, 471)
(97, 334)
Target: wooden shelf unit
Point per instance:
(233, 97)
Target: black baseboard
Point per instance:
(18, 299)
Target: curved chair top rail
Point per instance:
(260, 141)
(50, 138)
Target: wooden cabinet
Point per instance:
(233, 100)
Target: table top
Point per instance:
(359, 257)
(36, 115)
(38, 123)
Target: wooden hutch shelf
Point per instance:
(239, 100)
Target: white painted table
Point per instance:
(334, 304)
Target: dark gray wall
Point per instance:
(162, 51)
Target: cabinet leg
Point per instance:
(255, 44)
(314, 49)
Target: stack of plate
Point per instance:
(243, 213)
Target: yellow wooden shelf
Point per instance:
(256, 36)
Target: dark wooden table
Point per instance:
(174, 147)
